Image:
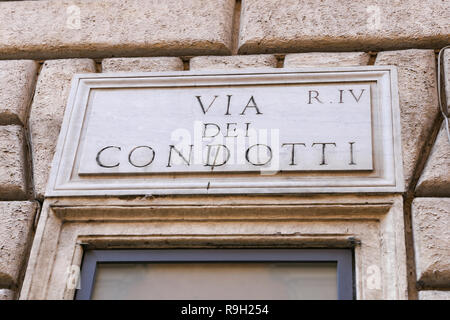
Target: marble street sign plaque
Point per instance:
(254, 131)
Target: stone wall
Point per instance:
(61, 38)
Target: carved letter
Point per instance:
(360, 95)
(246, 128)
(251, 106)
(144, 165)
(315, 97)
(97, 158)
(323, 150)
(187, 161)
(257, 145)
(205, 128)
(293, 150)
(341, 92)
(215, 164)
(233, 130)
(201, 104)
(228, 105)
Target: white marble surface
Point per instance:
(243, 128)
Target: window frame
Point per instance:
(342, 257)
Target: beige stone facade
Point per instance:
(403, 237)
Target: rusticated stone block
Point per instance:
(435, 179)
(6, 294)
(142, 64)
(326, 59)
(233, 62)
(47, 111)
(431, 230)
(17, 78)
(16, 223)
(418, 101)
(13, 184)
(269, 26)
(105, 28)
(447, 75)
(434, 295)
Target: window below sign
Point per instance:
(225, 274)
